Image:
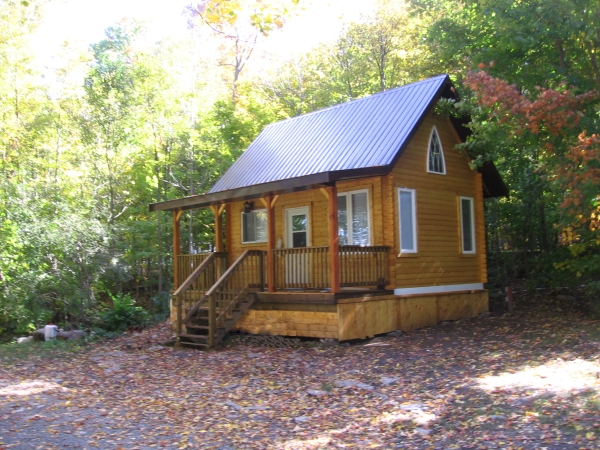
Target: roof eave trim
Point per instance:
(274, 188)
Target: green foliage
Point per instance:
(123, 315)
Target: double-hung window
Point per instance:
(407, 213)
(467, 224)
(353, 218)
(254, 226)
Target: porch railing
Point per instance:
(308, 267)
(364, 266)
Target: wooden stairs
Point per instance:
(198, 326)
(223, 304)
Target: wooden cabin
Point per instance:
(344, 223)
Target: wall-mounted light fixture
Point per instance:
(248, 206)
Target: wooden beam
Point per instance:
(218, 228)
(274, 200)
(334, 241)
(221, 208)
(265, 202)
(176, 248)
(228, 236)
(325, 193)
(270, 243)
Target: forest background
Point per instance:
(126, 124)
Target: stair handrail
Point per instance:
(218, 284)
(205, 264)
(194, 275)
(209, 295)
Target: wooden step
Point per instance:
(197, 327)
(194, 344)
(194, 336)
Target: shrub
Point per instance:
(124, 314)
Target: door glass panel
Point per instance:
(360, 219)
(299, 239)
(342, 220)
(299, 222)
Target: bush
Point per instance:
(124, 315)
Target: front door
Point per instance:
(297, 228)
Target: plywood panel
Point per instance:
(417, 312)
(454, 307)
(365, 319)
(290, 323)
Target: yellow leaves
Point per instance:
(265, 16)
(590, 436)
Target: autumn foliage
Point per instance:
(566, 153)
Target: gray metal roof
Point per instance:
(369, 133)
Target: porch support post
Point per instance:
(334, 242)
(218, 212)
(176, 247)
(271, 242)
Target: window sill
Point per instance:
(407, 255)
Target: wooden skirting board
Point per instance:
(359, 316)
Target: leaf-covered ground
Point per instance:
(524, 381)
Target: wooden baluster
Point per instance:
(178, 299)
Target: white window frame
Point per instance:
(413, 200)
(471, 224)
(242, 226)
(289, 212)
(348, 196)
(442, 157)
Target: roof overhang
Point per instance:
(493, 186)
(261, 190)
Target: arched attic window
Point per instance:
(435, 156)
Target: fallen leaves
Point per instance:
(505, 382)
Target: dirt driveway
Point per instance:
(526, 381)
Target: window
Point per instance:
(407, 212)
(435, 156)
(467, 225)
(254, 226)
(353, 218)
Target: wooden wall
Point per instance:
(362, 317)
(306, 320)
(317, 204)
(439, 259)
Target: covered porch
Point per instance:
(223, 283)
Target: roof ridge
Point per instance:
(366, 97)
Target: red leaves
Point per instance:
(568, 155)
(550, 111)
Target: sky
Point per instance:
(82, 22)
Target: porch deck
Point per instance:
(216, 298)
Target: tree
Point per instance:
(547, 136)
(240, 24)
